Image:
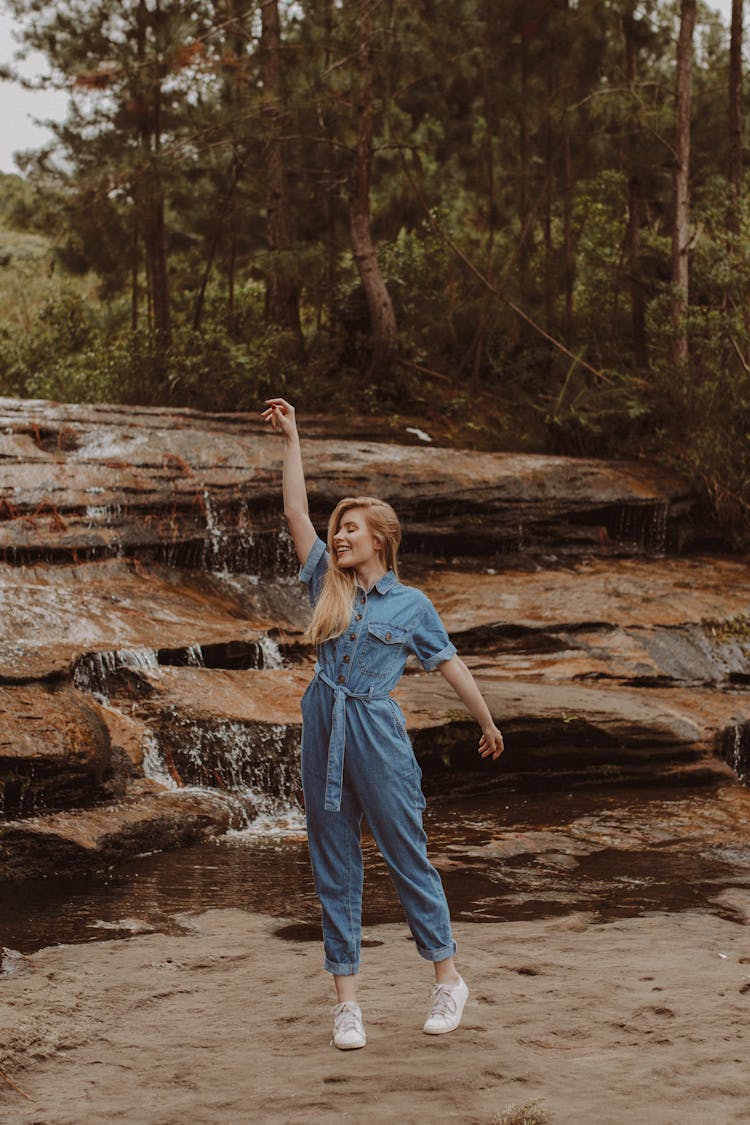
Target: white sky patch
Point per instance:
(19, 107)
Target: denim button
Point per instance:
(388, 636)
(357, 616)
(362, 601)
(352, 636)
(347, 658)
(342, 679)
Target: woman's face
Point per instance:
(354, 543)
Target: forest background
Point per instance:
(522, 223)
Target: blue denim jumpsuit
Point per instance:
(357, 760)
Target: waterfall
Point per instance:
(735, 749)
(254, 768)
(642, 525)
(96, 672)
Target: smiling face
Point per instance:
(354, 543)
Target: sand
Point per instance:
(644, 1020)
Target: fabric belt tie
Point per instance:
(337, 741)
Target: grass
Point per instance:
(29, 277)
(531, 1113)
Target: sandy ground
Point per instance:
(639, 1021)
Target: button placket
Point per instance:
(349, 643)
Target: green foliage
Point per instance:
(70, 356)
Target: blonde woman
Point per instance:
(357, 759)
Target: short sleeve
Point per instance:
(430, 641)
(314, 570)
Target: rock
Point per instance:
(204, 491)
(656, 620)
(241, 728)
(84, 840)
(58, 617)
(54, 749)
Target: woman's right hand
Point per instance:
(281, 415)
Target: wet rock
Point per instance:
(55, 750)
(85, 840)
(564, 733)
(163, 590)
(55, 617)
(241, 728)
(679, 619)
(204, 491)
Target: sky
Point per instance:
(21, 110)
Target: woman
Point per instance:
(357, 759)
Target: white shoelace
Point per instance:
(346, 1017)
(443, 1002)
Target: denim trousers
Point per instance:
(380, 782)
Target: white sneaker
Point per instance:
(447, 1007)
(348, 1030)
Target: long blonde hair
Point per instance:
(333, 610)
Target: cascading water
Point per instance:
(95, 671)
(735, 749)
(643, 526)
(255, 770)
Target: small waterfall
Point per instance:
(735, 750)
(96, 672)
(642, 525)
(100, 673)
(270, 653)
(254, 767)
(154, 766)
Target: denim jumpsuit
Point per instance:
(357, 760)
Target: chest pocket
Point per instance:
(383, 654)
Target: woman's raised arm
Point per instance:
(280, 414)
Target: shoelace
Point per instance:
(346, 1017)
(443, 1002)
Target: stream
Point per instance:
(611, 852)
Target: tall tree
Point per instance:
(632, 32)
(282, 287)
(379, 304)
(735, 112)
(681, 219)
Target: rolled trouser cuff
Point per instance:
(340, 969)
(437, 954)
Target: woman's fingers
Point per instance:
(280, 414)
(491, 746)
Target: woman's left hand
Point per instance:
(491, 743)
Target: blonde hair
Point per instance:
(333, 610)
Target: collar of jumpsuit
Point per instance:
(385, 583)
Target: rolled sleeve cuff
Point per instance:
(439, 657)
(317, 551)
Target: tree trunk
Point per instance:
(149, 194)
(282, 290)
(680, 230)
(735, 114)
(569, 248)
(523, 198)
(380, 307)
(635, 194)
